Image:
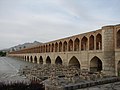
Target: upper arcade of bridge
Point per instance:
(82, 42)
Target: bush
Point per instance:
(21, 86)
(2, 53)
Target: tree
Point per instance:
(2, 54)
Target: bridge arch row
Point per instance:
(80, 43)
(83, 42)
(91, 42)
(95, 63)
(41, 59)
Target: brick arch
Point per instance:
(118, 68)
(25, 58)
(98, 41)
(60, 46)
(84, 43)
(35, 59)
(65, 46)
(76, 44)
(56, 47)
(41, 49)
(46, 48)
(91, 42)
(31, 59)
(28, 58)
(70, 45)
(118, 39)
(96, 64)
(48, 60)
(52, 50)
(58, 60)
(49, 48)
(41, 60)
(74, 62)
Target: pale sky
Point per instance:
(46, 20)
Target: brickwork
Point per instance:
(96, 49)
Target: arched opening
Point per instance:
(31, 59)
(40, 49)
(36, 50)
(84, 43)
(91, 42)
(118, 68)
(70, 45)
(65, 46)
(76, 44)
(49, 48)
(52, 48)
(28, 58)
(32, 50)
(95, 64)
(25, 58)
(35, 59)
(46, 48)
(118, 39)
(40, 60)
(58, 60)
(74, 62)
(56, 47)
(48, 60)
(60, 46)
(99, 42)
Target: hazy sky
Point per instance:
(46, 20)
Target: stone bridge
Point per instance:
(93, 51)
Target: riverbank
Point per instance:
(9, 68)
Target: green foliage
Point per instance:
(2, 54)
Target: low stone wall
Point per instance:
(84, 84)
